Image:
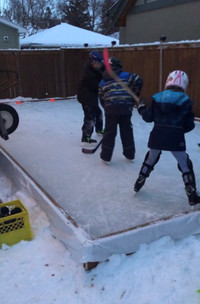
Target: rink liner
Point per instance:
(82, 247)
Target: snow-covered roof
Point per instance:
(13, 25)
(66, 35)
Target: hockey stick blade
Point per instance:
(116, 78)
(91, 151)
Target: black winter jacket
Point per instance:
(87, 93)
(171, 112)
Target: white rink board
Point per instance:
(91, 206)
(82, 248)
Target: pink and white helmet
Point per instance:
(177, 78)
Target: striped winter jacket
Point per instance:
(113, 98)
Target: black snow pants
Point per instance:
(126, 134)
(92, 118)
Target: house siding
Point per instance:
(146, 5)
(176, 22)
(13, 37)
(122, 35)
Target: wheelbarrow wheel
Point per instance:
(10, 117)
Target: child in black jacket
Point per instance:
(87, 95)
(171, 112)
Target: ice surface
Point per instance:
(98, 197)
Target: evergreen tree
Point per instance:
(75, 12)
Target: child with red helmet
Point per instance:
(171, 112)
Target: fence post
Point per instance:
(62, 68)
(162, 39)
(18, 72)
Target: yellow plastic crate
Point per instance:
(14, 227)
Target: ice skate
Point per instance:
(87, 141)
(100, 132)
(193, 195)
(139, 183)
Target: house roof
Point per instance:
(119, 11)
(13, 25)
(66, 35)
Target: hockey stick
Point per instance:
(115, 77)
(91, 151)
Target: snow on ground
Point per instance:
(42, 270)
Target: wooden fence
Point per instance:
(55, 73)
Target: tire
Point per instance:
(10, 117)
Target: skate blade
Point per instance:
(88, 145)
(129, 160)
(107, 163)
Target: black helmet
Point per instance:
(115, 64)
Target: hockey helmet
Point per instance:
(178, 79)
(95, 56)
(115, 64)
